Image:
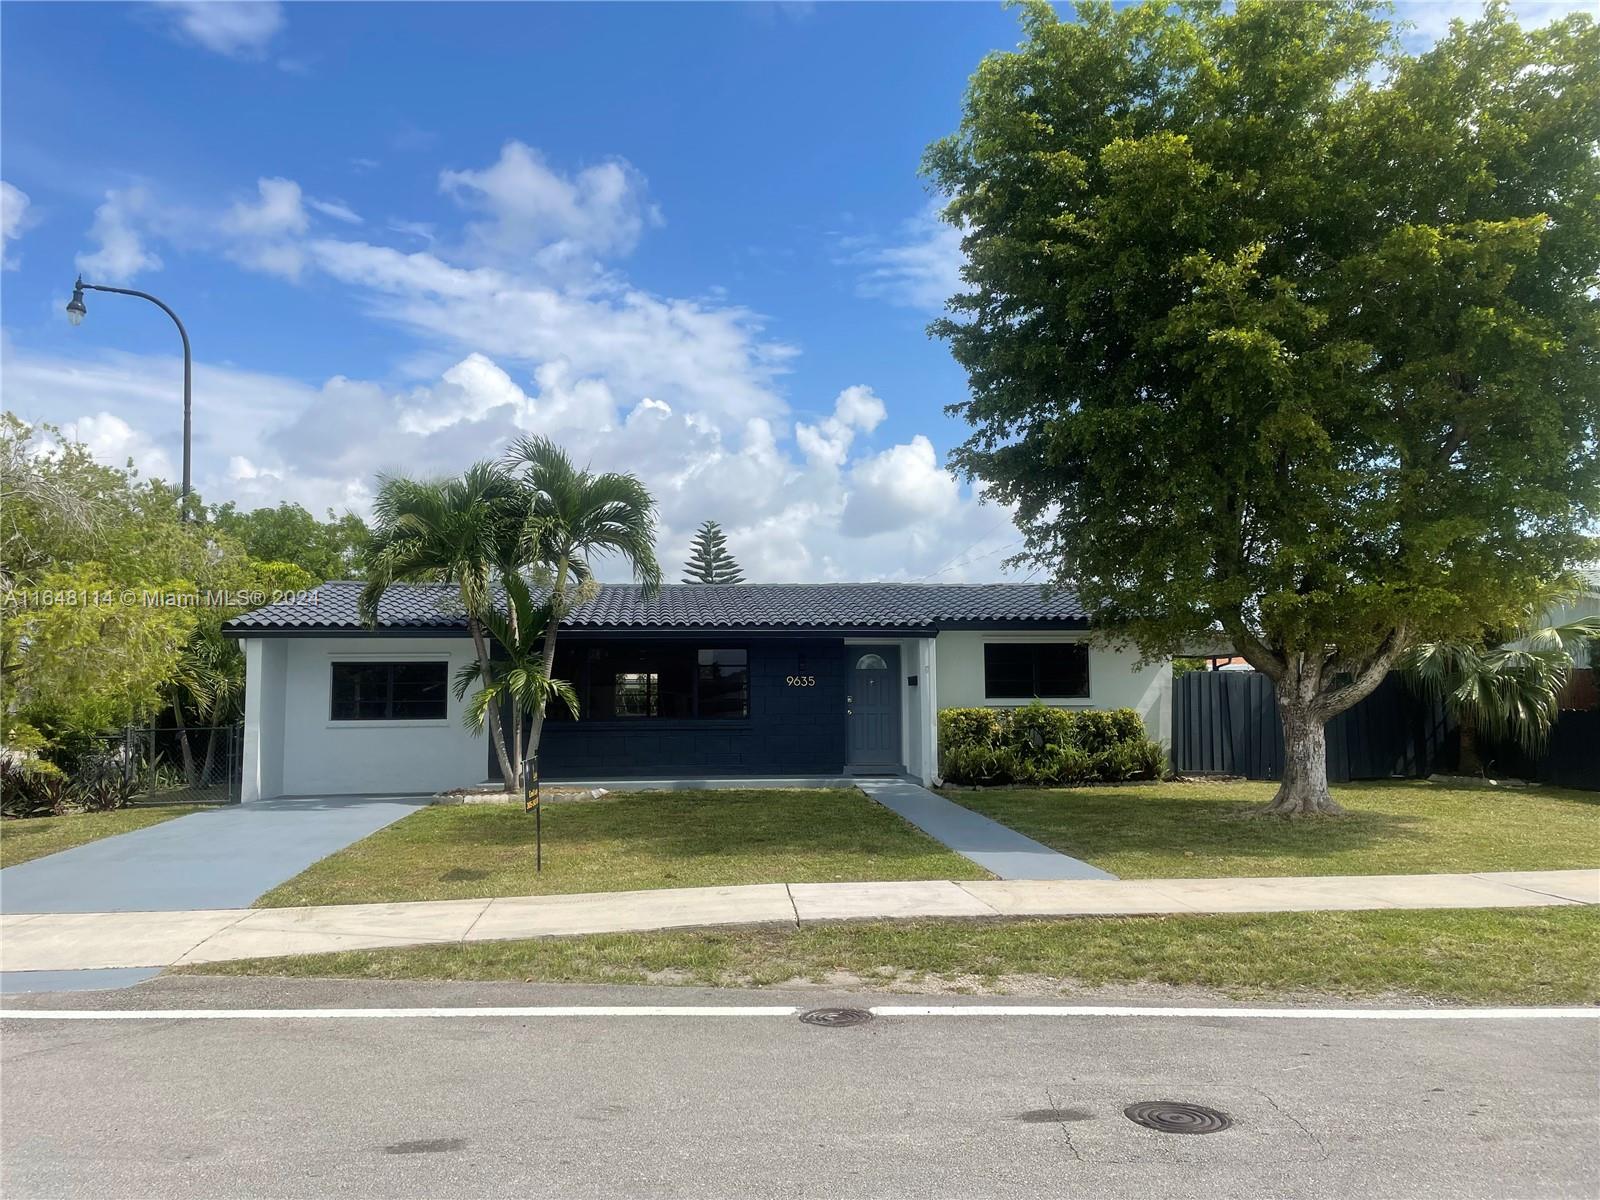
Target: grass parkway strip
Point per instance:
(1543, 956)
(724, 1011)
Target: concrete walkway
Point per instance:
(99, 941)
(1002, 852)
(222, 858)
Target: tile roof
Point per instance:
(752, 606)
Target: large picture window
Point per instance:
(1024, 670)
(628, 681)
(391, 691)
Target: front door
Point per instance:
(872, 707)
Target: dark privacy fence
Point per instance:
(1226, 722)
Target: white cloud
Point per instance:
(14, 219)
(920, 269)
(905, 485)
(682, 352)
(533, 209)
(112, 440)
(276, 212)
(421, 230)
(122, 253)
(336, 209)
(260, 439)
(855, 410)
(264, 233)
(237, 28)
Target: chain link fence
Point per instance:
(171, 765)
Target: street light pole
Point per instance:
(76, 312)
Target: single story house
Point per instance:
(698, 680)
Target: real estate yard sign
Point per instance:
(530, 804)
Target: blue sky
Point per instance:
(685, 240)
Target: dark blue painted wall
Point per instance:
(790, 730)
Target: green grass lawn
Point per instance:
(1197, 830)
(626, 842)
(1508, 956)
(35, 837)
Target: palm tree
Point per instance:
(570, 515)
(1507, 687)
(520, 677)
(198, 680)
(458, 531)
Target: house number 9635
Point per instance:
(800, 680)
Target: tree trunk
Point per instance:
(183, 745)
(1304, 790)
(556, 597)
(1468, 761)
(497, 735)
(211, 754)
(516, 704)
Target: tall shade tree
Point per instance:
(710, 560)
(453, 530)
(330, 549)
(1272, 328)
(569, 517)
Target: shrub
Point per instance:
(981, 764)
(1032, 729)
(1040, 746)
(29, 788)
(103, 792)
(969, 727)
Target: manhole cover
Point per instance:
(836, 1018)
(1171, 1116)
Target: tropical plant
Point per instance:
(30, 788)
(1274, 328)
(568, 517)
(518, 678)
(461, 530)
(1506, 688)
(710, 560)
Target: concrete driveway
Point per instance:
(223, 858)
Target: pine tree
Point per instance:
(709, 560)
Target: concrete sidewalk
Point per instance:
(1001, 851)
(96, 941)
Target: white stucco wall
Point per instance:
(264, 681)
(317, 756)
(1115, 679)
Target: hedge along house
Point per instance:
(701, 680)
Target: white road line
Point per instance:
(883, 1010)
(1297, 1014)
(332, 1014)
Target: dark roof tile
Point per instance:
(753, 606)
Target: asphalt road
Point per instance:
(770, 1107)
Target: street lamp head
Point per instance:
(75, 309)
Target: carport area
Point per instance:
(224, 858)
